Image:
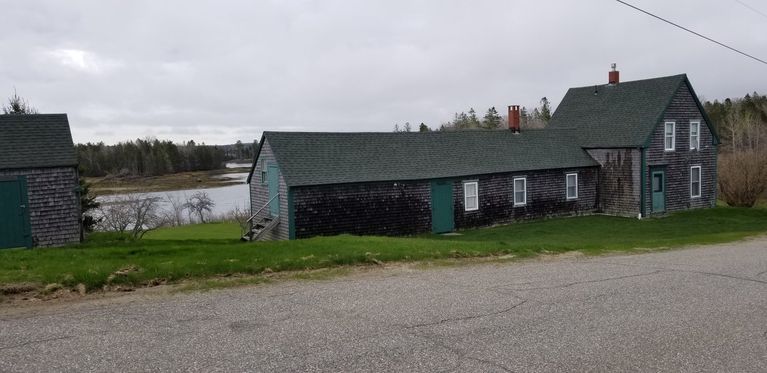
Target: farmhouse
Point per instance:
(39, 200)
(639, 148)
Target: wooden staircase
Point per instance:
(260, 225)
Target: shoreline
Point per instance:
(111, 185)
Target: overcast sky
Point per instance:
(218, 71)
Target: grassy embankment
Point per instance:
(178, 181)
(213, 250)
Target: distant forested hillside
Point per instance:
(153, 157)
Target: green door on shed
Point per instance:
(273, 179)
(658, 191)
(442, 206)
(14, 216)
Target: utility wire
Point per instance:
(693, 32)
(757, 11)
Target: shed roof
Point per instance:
(35, 141)
(620, 115)
(314, 158)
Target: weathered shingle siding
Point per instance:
(402, 208)
(259, 195)
(54, 205)
(619, 180)
(380, 208)
(678, 162)
(546, 196)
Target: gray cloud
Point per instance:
(221, 71)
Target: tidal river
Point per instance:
(226, 198)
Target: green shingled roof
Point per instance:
(313, 158)
(621, 115)
(35, 140)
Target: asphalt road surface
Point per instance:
(690, 310)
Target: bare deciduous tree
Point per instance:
(134, 213)
(241, 217)
(175, 212)
(199, 203)
(114, 216)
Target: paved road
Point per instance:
(699, 309)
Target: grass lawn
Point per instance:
(207, 250)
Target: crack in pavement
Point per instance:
(36, 342)
(585, 282)
(455, 319)
(462, 355)
(747, 279)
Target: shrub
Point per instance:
(742, 177)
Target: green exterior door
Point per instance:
(658, 186)
(273, 179)
(14, 215)
(442, 206)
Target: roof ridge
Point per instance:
(413, 133)
(678, 76)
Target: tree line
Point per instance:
(153, 157)
(469, 120)
(741, 124)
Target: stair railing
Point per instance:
(262, 207)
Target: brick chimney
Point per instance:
(614, 76)
(514, 118)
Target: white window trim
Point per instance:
(697, 135)
(700, 182)
(514, 191)
(567, 187)
(263, 172)
(673, 136)
(466, 195)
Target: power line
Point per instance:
(693, 32)
(757, 11)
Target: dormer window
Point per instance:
(669, 136)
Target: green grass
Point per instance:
(209, 252)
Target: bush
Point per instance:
(742, 177)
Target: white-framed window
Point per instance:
(695, 181)
(263, 171)
(520, 191)
(571, 185)
(471, 195)
(694, 134)
(669, 137)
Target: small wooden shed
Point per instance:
(39, 189)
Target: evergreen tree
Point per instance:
(87, 203)
(491, 120)
(472, 120)
(239, 150)
(461, 121)
(545, 110)
(18, 105)
(423, 128)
